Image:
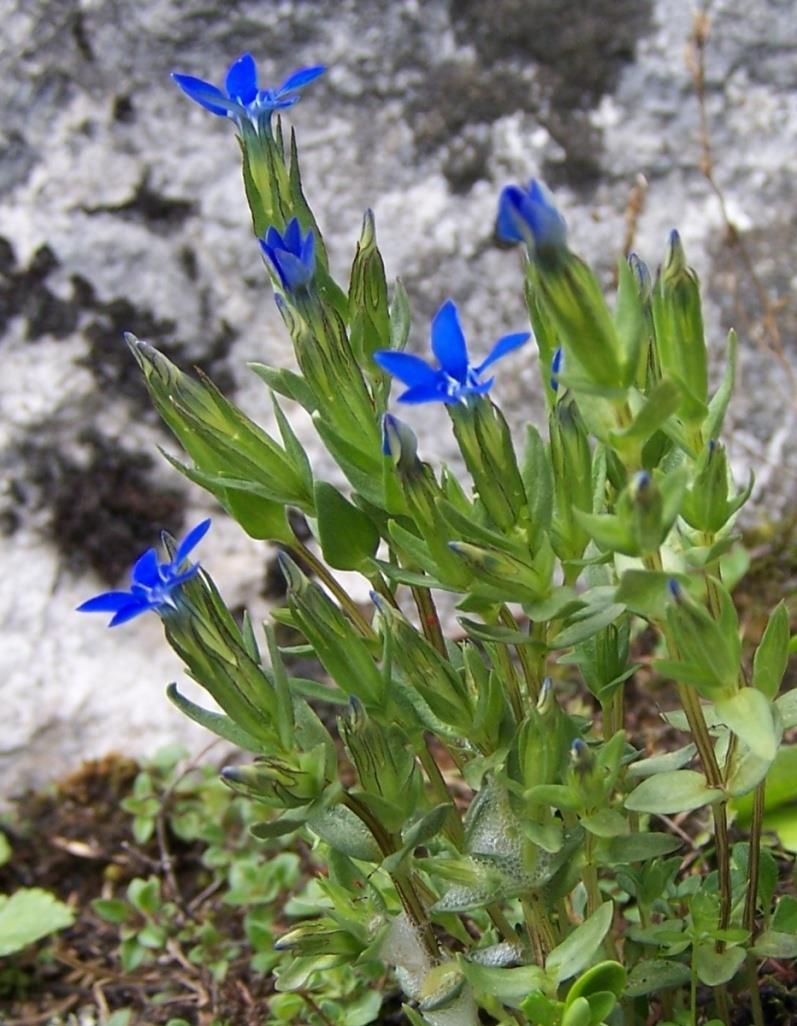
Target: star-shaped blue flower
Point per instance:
(455, 378)
(241, 98)
(526, 215)
(291, 256)
(152, 583)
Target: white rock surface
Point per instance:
(427, 110)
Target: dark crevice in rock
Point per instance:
(161, 214)
(123, 110)
(103, 511)
(27, 293)
(80, 35)
(575, 61)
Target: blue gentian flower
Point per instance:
(241, 98)
(291, 256)
(526, 215)
(152, 583)
(456, 377)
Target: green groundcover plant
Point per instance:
(544, 894)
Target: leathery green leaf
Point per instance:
(748, 714)
(581, 946)
(677, 791)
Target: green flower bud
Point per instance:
(340, 648)
(425, 669)
(386, 771)
(285, 783)
(680, 339)
(571, 460)
(486, 445)
(321, 937)
(707, 505)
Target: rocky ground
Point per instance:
(121, 209)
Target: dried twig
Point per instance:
(696, 65)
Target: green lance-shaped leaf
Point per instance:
(285, 383)
(492, 720)
(772, 654)
(341, 650)
(711, 646)
(425, 669)
(676, 791)
(649, 414)
(707, 505)
(485, 442)
(722, 397)
(369, 316)
(348, 536)
(538, 482)
(573, 303)
(228, 449)
(545, 337)
(680, 339)
(218, 723)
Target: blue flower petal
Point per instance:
(448, 342)
(308, 251)
(292, 272)
(207, 95)
(300, 78)
(283, 102)
(146, 572)
(273, 238)
(190, 542)
(428, 394)
(241, 80)
(108, 602)
(479, 387)
(412, 370)
(292, 236)
(504, 345)
(510, 220)
(135, 608)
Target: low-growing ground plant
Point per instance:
(503, 854)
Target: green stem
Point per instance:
(531, 672)
(722, 1004)
(401, 877)
(751, 971)
(430, 621)
(754, 859)
(536, 913)
(589, 875)
(307, 556)
(512, 683)
(454, 823)
(700, 732)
